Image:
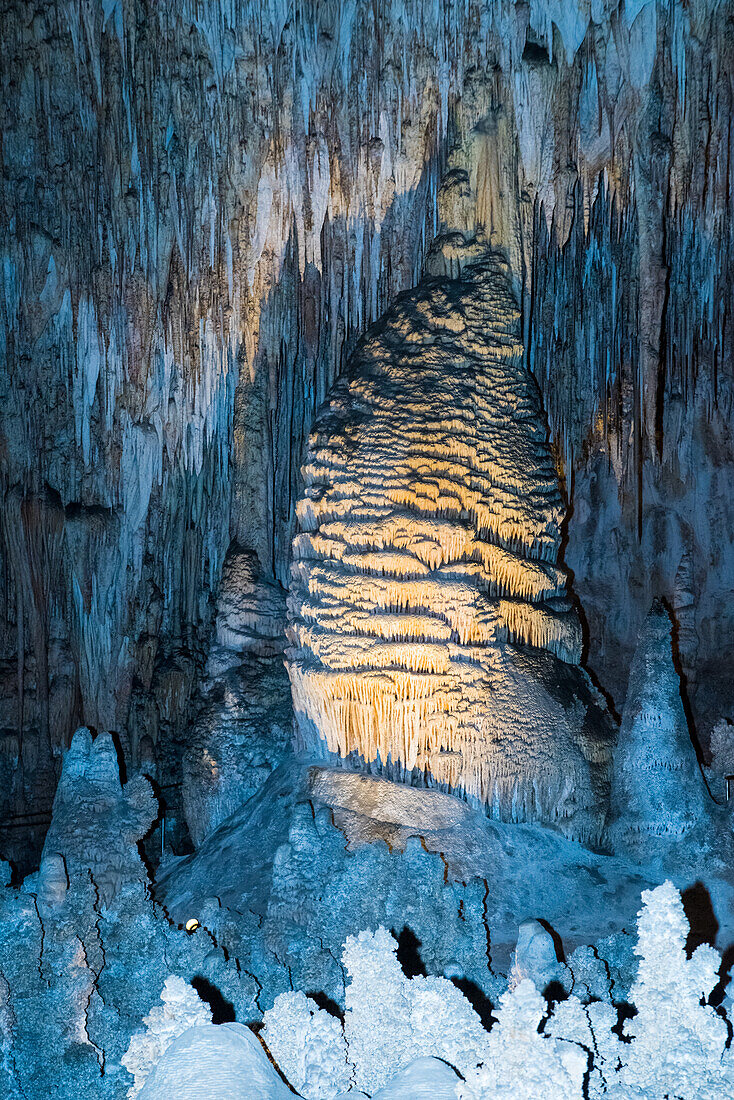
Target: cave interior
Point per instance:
(367, 549)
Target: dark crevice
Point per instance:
(408, 953)
(222, 1010)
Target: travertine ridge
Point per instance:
(429, 626)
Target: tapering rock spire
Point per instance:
(97, 822)
(429, 626)
(658, 789)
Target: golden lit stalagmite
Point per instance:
(429, 629)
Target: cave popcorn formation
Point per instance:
(430, 630)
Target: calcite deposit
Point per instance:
(430, 627)
(658, 789)
(405, 325)
(242, 724)
(97, 822)
(205, 204)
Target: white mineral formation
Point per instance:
(658, 789)
(97, 822)
(424, 1079)
(429, 627)
(679, 1041)
(207, 1062)
(404, 1036)
(308, 1046)
(535, 958)
(391, 1020)
(182, 1008)
(521, 1063)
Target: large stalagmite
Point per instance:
(429, 628)
(204, 206)
(658, 791)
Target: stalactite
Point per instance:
(32, 528)
(205, 207)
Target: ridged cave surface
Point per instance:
(429, 626)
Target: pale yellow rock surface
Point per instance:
(429, 626)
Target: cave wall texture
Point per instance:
(204, 204)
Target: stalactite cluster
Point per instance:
(203, 207)
(365, 378)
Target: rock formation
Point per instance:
(720, 773)
(658, 790)
(204, 206)
(226, 1062)
(77, 979)
(97, 822)
(536, 958)
(202, 221)
(182, 1009)
(250, 613)
(243, 721)
(430, 631)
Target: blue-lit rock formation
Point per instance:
(205, 205)
(658, 791)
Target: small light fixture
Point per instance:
(191, 924)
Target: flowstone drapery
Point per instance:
(429, 627)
